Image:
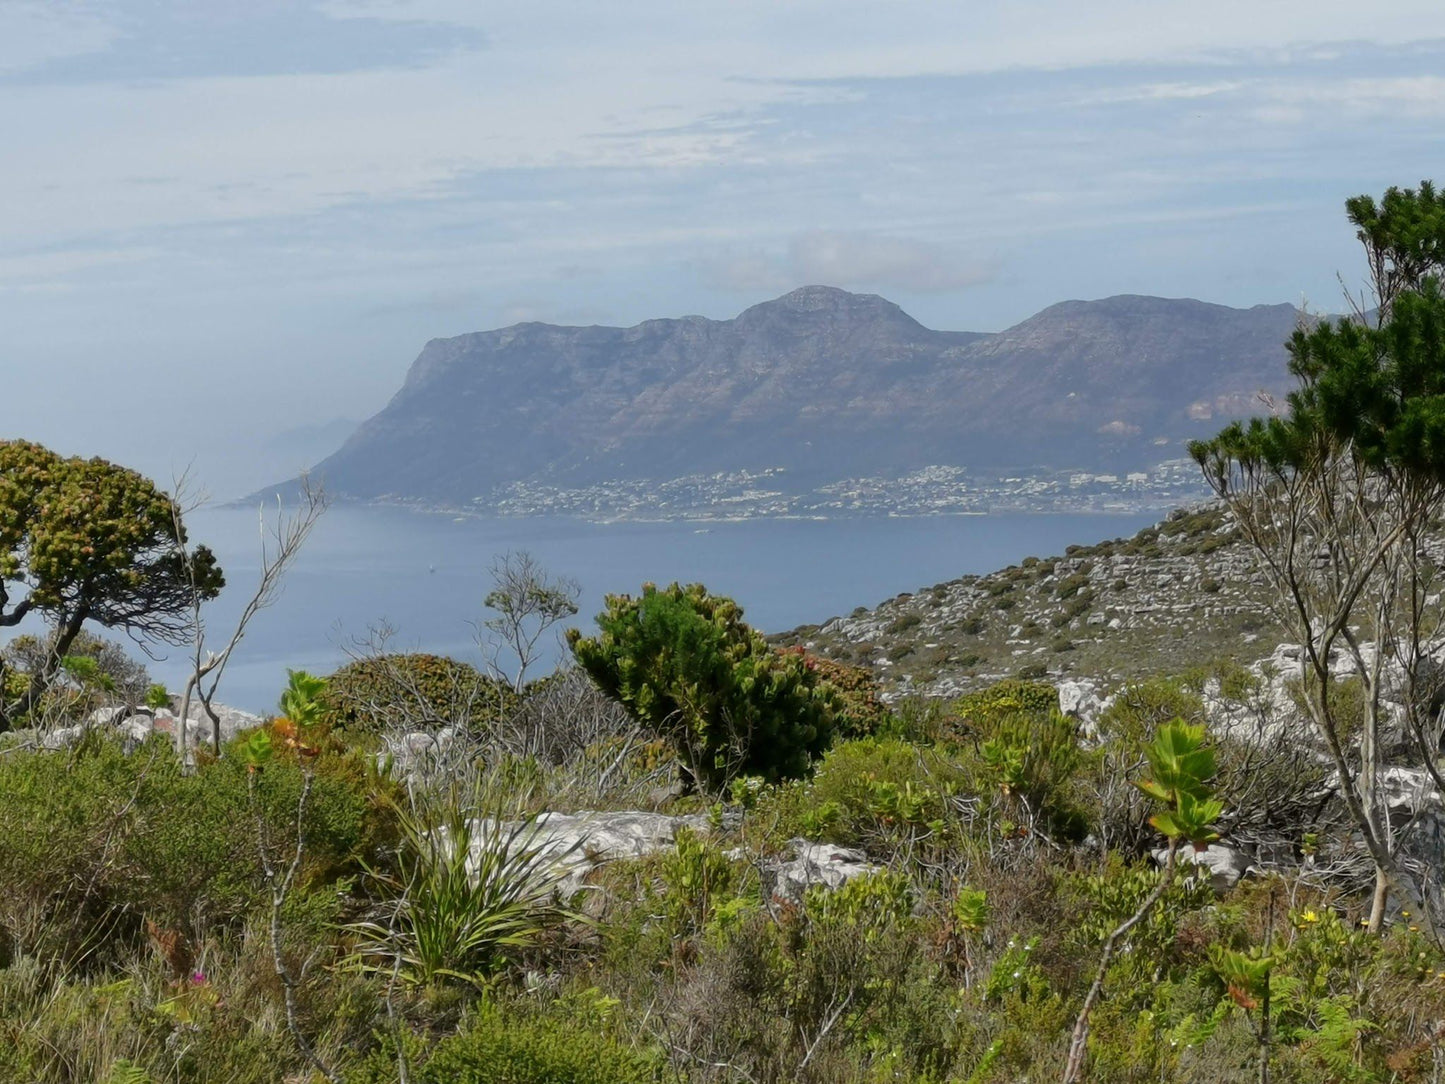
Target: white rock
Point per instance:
(814, 864)
(578, 843)
(1225, 864)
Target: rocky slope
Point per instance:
(823, 383)
(1178, 595)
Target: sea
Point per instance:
(416, 581)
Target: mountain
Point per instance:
(823, 383)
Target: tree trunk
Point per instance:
(41, 680)
(1377, 904)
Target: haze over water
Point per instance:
(425, 576)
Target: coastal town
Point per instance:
(774, 493)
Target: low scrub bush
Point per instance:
(877, 792)
(413, 692)
(96, 844)
(496, 1047)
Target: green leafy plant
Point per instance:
(1245, 974)
(469, 893)
(1181, 767)
(970, 910)
(685, 665)
(696, 877)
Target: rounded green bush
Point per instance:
(1008, 697)
(497, 1049)
(684, 664)
(417, 691)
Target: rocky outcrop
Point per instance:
(1081, 699)
(1223, 864)
(804, 865)
(577, 844)
(134, 725)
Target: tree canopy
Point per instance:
(1337, 496)
(87, 540)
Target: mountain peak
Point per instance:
(828, 303)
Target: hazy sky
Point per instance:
(227, 219)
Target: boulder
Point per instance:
(134, 725)
(806, 864)
(200, 729)
(581, 842)
(1225, 864)
(575, 844)
(1079, 699)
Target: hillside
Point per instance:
(1177, 595)
(817, 386)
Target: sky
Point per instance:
(231, 226)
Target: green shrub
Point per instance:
(416, 691)
(875, 792)
(859, 710)
(686, 665)
(498, 1048)
(903, 623)
(130, 840)
(698, 880)
(1007, 698)
(1032, 758)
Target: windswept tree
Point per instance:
(1339, 495)
(85, 540)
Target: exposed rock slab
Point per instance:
(576, 844)
(806, 864)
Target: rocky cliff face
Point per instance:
(824, 383)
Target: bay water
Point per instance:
(424, 576)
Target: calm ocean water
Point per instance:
(425, 576)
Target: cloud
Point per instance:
(169, 39)
(872, 260)
(36, 34)
(1118, 428)
(852, 260)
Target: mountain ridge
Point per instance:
(821, 383)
